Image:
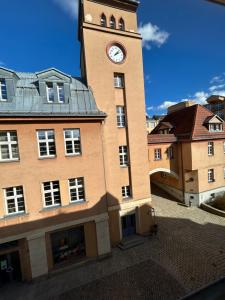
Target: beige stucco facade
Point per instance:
(102, 215)
(186, 175)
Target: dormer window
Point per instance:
(121, 24)
(3, 90)
(61, 93)
(215, 127)
(112, 22)
(103, 20)
(50, 92)
(164, 131)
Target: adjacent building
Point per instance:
(215, 103)
(187, 153)
(74, 177)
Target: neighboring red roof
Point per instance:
(188, 124)
(161, 138)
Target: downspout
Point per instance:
(182, 172)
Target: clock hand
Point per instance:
(116, 53)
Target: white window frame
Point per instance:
(211, 175)
(157, 154)
(224, 147)
(76, 187)
(51, 191)
(126, 192)
(72, 140)
(60, 86)
(215, 127)
(15, 197)
(120, 116)
(118, 80)
(47, 91)
(9, 143)
(210, 148)
(123, 152)
(224, 172)
(3, 83)
(46, 141)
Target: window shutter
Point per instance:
(42, 90)
(67, 92)
(10, 87)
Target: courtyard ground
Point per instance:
(187, 253)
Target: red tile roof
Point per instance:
(161, 138)
(188, 124)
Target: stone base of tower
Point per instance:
(130, 218)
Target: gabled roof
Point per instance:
(189, 124)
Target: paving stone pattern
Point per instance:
(187, 253)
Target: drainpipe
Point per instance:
(182, 171)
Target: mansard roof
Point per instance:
(26, 95)
(189, 124)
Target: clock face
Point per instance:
(116, 53)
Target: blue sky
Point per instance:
(183, 48)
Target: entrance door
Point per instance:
(10, 269)
(128, 225)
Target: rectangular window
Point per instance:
(215, 127)
(170, 153)
(3, 90)
(8, 146)
(211, 175)
(224, 173)
(123, 156)
(224, 147)
(61, 93)
(118, 81)
(72, 141)
(210, 148)
(50, 92)
(46, 143)
(120, 113)
(14, 200)
(76, 188)
(51, 193)
(157, 154)
(126, 191)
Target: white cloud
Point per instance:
(216, 79)
(200, 97)
(219, 93)
(68, 6)
(216, 87)
(166, 104)
(151, 34)
(150, 108)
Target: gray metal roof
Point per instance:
(26, 96)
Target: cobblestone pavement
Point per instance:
(187, 253)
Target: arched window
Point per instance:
(112, 22)
(103, 20)
(121, 24)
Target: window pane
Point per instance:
(3, 136)
(4, 151)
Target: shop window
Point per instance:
(68, 244)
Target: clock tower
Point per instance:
(111, 63)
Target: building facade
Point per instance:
(186, 154)
(74, 177)
(215, 103)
